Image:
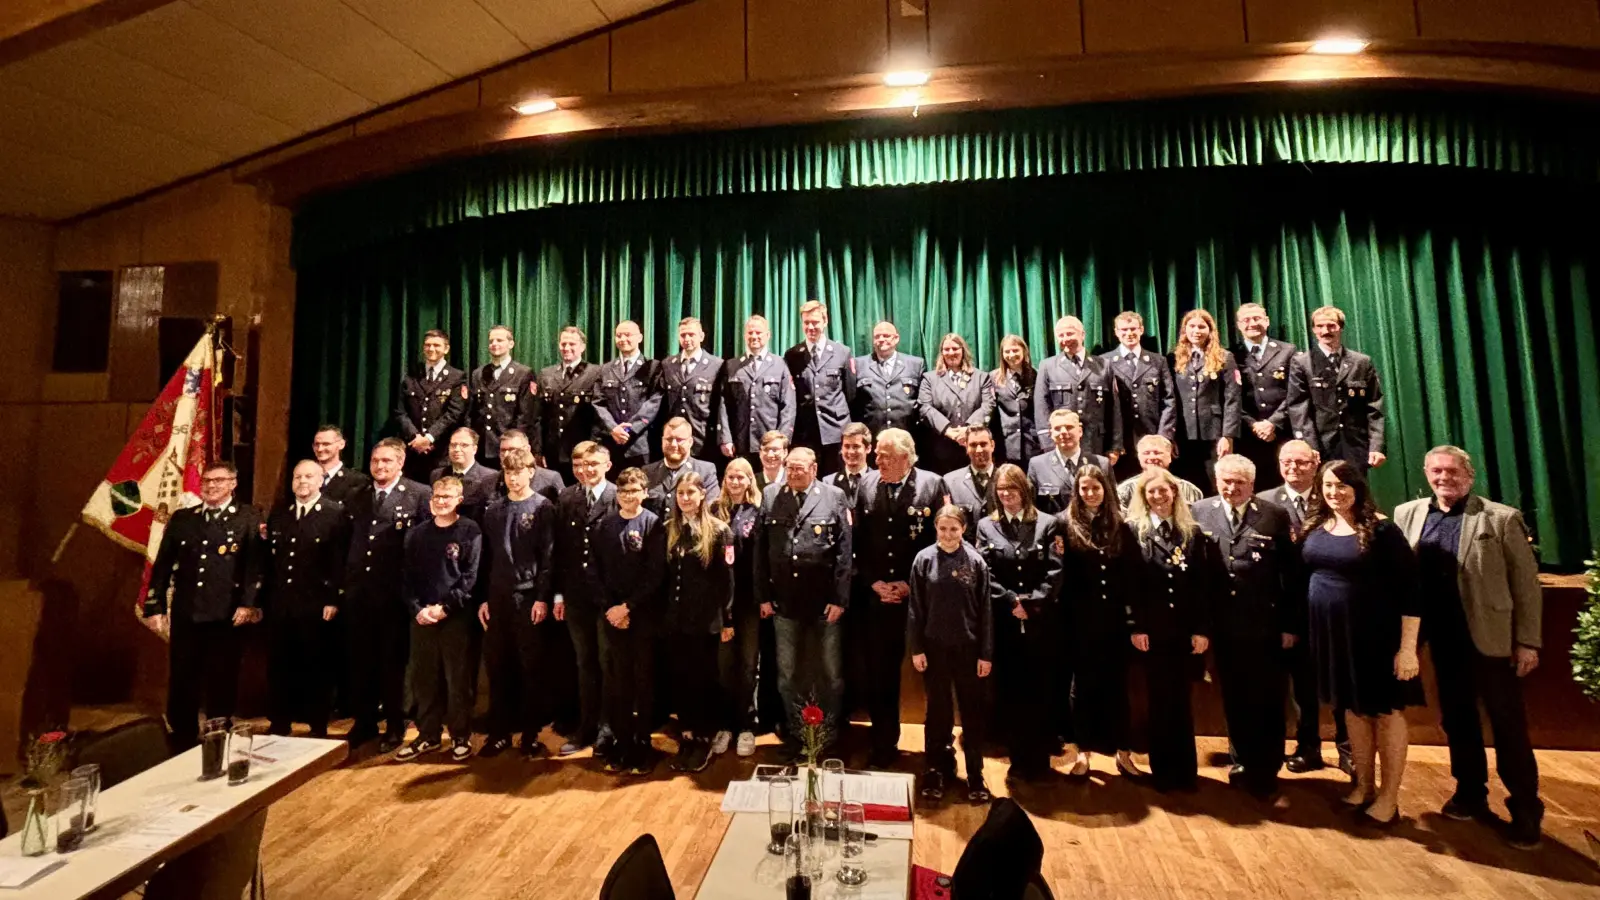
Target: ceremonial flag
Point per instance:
(158, 472)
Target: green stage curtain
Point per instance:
(1474, 132)
(1471, 293)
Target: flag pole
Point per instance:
(62, 547)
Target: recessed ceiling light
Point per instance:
(1343, 46)
(534, 107)
(906, 79)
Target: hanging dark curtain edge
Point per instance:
(1488, 133)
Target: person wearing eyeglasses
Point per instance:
(211, 559)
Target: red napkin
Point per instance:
(877, 812)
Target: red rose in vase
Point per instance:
(811, 714)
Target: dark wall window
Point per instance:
(83, 322)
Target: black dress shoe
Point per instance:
(932, 785)
(1347, 762)
(1463, 810)
(389, 743)
(1523, 834)
(977, 791)
(1300, 763)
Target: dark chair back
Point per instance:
(126, 750)
(638, 874)
(1002, 857)
(219, 869)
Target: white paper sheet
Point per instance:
(20, 871)
(164, 829)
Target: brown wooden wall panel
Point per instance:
(908, 34)
(460, 98)
(1126, 26)
(981, 31)
(816, 38)
(1575, 22)
(697, 45)
(582, 68)
(1281, 21)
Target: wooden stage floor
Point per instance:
(548, 829)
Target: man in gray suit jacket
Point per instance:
(1482, 622)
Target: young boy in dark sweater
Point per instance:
(951, 637)
(441, 566)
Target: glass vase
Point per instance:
(38, 831)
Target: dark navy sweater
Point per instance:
(442, 565)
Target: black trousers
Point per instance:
(1173, 761)
(1466, 678)
(1252, 703)
(954, 670)
(584, 622)
(694, 679)
(203, 673)
(1302, 674)
(519, 692)
(628, 656)
(853, 635)
(769, 703)
(1009, 680)
(379, 643)
(561, 671)
(301, 671)
(440, 677)
(736, 666)
(886, 653)
(1032, 688)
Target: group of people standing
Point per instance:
(740, 538)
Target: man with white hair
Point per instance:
(1155, 452)
(1482, 619)
(893, 522)
(1259, 617)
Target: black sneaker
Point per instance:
(417, 748)
(680, 760)
(461, 750)
(1523, 834)
(605, 744)
(977, 791)
(533, 748)
(1347, 762)
(641, 761)
(1464, 810)
(933, 785)
(495, 746)
(390, 741)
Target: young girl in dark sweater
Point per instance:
(950, 632)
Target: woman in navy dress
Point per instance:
(1364, 618)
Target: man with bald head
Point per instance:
(1076, 380)
(887, 383)
(306, 544)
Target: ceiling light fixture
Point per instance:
(905, 79)
(1339, 46)
(535, 107)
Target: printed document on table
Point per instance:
(163, 830)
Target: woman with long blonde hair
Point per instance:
(739, 505)
(954, 397)
(1182, 578)
(699, 615)
(1207, 382)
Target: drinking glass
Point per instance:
(90, 773)
(780, 813)
(71, 814)
(797, 864)
(852, 843)
(239, 746)
(832, 794)
(213, 748)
